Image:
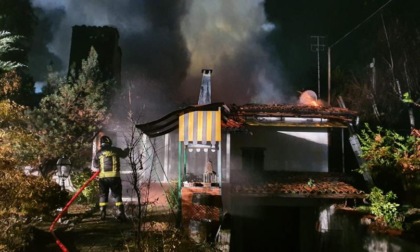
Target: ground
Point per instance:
(82, 230)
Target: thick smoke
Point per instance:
(228, 36)
(166, 43)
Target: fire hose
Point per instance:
(59, 243)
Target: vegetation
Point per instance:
(24, 199)
(90, 194)
(135, 156)
(393, 160)
(6, 45)
(17, 22)
(387, 149)
(73, 108)
(65, 121)
(384, 209)
(172, 195)
(17, 17)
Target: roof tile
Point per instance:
(285, 184)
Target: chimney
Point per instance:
(205, 90)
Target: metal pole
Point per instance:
(219, 164)
(343, 155)
(319, 76)
(372, 65)
(178, 224)
(317, 46)
(227, 157)
(329, 75)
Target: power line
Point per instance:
(340, 39)
(357, 26)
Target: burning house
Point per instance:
(274, 168)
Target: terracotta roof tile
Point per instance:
(284, 184)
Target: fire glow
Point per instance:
(309, 98)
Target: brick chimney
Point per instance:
(205, 90)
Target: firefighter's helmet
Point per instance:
(105, 140)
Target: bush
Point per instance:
(23, 200)
(386, 149)
(90, 193)
(172, 195)
(393, 160)
(384, 209)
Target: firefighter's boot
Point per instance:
(121, 213)
(103, 212)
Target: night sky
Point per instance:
(260, 51)
(354, 20)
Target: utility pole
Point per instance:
(372, 65)
(317, 44)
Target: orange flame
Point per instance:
(309, 98)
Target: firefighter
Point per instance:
(107, 159)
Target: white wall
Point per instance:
(300, 149)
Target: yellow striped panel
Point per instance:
(218, 126)
(209, 125)
(192, 123)
(190, 126)
(200, 126)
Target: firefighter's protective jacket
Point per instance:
(108, 160)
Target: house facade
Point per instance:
(275, 166)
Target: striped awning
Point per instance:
(200, 127)
(170, 122)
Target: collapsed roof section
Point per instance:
(239, 117)
(289, 116)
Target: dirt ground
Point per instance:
(82, 230)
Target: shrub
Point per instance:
(393, 160)
(385, 149)
(90, 193)
(23, 200)
(384, 209)
(172, 195)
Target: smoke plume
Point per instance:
(166, 43)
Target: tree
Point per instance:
(11, 43)
(11, 114)
(377, 89)
(12, 118)
(67, 119)
(7, 45)
(17, 17)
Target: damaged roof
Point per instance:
(288, 116)
(238, 117)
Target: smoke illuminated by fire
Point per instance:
(228, 36)
(309, 98)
